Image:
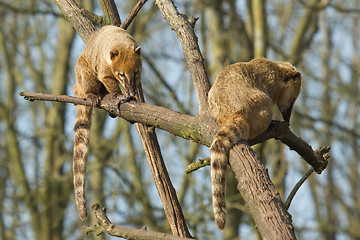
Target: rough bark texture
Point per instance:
(263, 201)
(184, 28)
(161, 177)
(73, 13)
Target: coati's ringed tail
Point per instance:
(81, 143)
(224, 140)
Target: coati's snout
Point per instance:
(286, 112)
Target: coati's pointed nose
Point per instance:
(287, 113)
(132, 93)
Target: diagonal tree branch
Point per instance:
(263, 201)
(74, 14)
(184, 28)
(161, 177)
(133, 14)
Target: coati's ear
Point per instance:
(292, 75)
(138, 50)
(113, 54)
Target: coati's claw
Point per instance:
(121, 99)
(93, 98)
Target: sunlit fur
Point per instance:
(242, 99)
(110, 57)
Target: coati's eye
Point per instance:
(121, 75)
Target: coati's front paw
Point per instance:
(123, 99)
(119, 99)
(93, 98)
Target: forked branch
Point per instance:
(104, 225)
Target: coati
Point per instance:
(242, 99)
(111, 56)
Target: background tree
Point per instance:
(38, 53)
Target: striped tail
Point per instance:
(81, 143)
(224, 140)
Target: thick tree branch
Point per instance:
(104, 225)
(74, 14)
(197, 129)
(182, 125)
(263, 201)
(184, 29)
(161, 177)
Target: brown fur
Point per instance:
(242, 100)
(110, 57)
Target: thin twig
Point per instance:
(197, 164)
(55, 98)
(323, 153)
(297, 187)
(133, 14)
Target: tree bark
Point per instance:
(264, 202)
(161, 177)
(184, 29)
(110, 12)
(73, 13)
